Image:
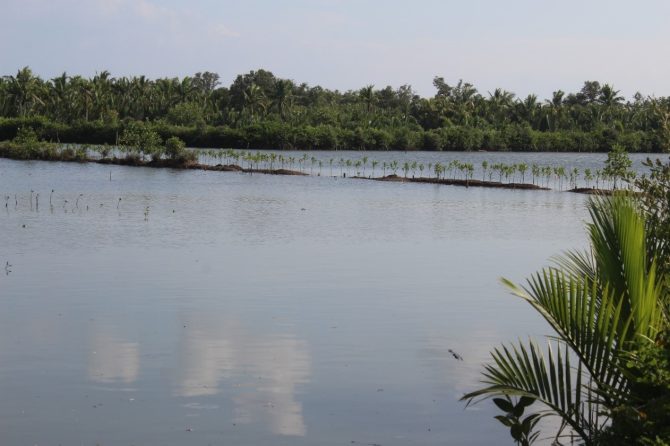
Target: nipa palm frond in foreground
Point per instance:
(603, 305)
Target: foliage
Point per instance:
(605, 306)
(655, 201)
(137, 137)
(175, 150)
(521, 429)
(644, 419)
(297, 116)
(618, 165)
(186, 114)
(26, 136)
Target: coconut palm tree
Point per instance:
(604, 305)
(367, 96)
(254, 100)
(554, 110)
(24, 91)
(282, 97)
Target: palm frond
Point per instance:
(590, 327)
(618, 240)
(602, 304)
(521, 370)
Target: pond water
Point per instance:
(167, 307)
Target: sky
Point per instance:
(524, 46)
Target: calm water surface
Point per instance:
(224, 308)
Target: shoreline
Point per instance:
(176, 164)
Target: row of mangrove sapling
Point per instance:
(539, 175)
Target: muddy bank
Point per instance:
(460, 182)
(602, 192)
(176, 164)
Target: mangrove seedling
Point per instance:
(535, 171)
(522, 168)
(618, 165)
(588, 177)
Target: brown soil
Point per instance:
(277, 172)
(192, 165)
(591, 191)
(137, 162)
(219, 167)
(395, 178)
(464, 183)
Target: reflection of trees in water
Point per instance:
(263, 371)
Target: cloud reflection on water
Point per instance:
(113, 359)
(264, 371)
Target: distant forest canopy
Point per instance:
(261, 111)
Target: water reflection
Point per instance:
(262, 372)
(335, 325)
(206, 356)
(461, 375)
(113, 359)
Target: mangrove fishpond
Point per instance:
(173, 306)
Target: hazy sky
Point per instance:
(521, 45)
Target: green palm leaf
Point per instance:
(602, 305)
(521, 370)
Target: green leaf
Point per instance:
(602, 305)
(525, 401)
(504, 420)
(503, 405)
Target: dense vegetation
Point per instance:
(606, 373)
(261, 111)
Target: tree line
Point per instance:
(261, 111)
